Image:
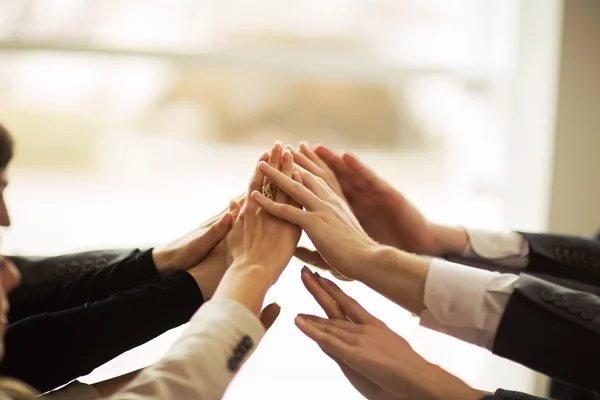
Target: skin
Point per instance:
(259, 244)
(398, 275)
(243, 253)
(384, 213)
(380, 364)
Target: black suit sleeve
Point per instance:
(502, 394)
(562, 256)
(51, 349)
(42, 270)
(554, 330)
(112, 272)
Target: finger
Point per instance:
(309, 152)
(275, 156)
(286, 212)
(234, 208)
(351, 307)
(256, 182)
(297, 178)
(327, 303)
(315, 259)
(287, 168)
(366, 176)
(311, 257)
(333, 161)
(316, 184)
(328, 341)
(299, 193)
(269, 314)
(208, 239)
(325, 324)
(274, 161)
(306, 163)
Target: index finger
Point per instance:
(256, 182)
(295, 190)
(368, 176)
(333, 161)
(349, 306)
(328, 304)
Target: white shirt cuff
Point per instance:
(507, 249)
(465, 302)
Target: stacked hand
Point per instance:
(260, 245)
(327, 220)
(383, 212)
(258, 238)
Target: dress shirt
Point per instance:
(468, 303)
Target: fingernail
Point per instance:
(316, 274)
(302, 316)
(287, 156)
(305, 270)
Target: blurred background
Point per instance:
(136, 120)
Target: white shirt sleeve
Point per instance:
(506, 249)
(468, 303)
(201, 364)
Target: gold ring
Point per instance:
(267, 191)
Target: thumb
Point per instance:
(314, 258)
(234, 208)
(204, 243)
(269, 314)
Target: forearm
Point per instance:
(67, 344)
(234, 286)
(129, 269)
(439, 384)
(449, 240)
(216, 343)
(397, 275)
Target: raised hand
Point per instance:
(260, 245)
(384, 213)
(328, 221)
(334, 310)
(258, 237)
(380, 362)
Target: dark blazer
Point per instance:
(73, 313)
(552, 320)
(510, 395)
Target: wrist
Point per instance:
(245, 283)
(449, 240)
(163, 260)
(399, 276)
(439, 384)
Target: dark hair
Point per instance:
(7, 145)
